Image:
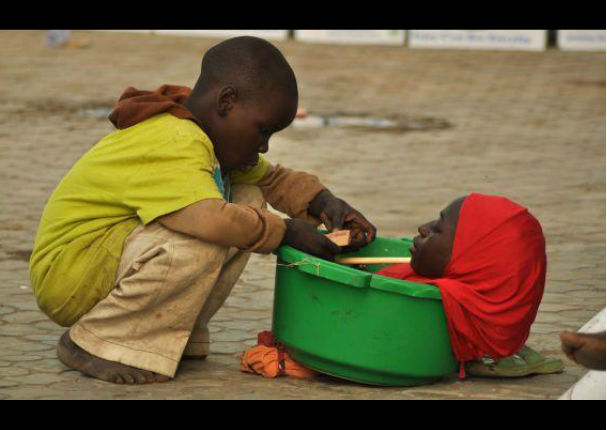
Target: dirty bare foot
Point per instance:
(587, 349)
(77, 358)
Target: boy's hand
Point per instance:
(336, 214)
(304, 236)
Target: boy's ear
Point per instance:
(225, 100)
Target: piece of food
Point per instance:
(339, 237)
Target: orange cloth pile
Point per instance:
(270, 360)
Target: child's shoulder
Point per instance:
(172, 124)
(167, 127)
(160, 133)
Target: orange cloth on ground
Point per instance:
(270, 360)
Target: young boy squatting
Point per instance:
(143, 239)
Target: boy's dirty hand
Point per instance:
(336, 214)
(304, 236)
(362, 232)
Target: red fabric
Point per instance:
(266, 338)
(493, 285)
(136, 105)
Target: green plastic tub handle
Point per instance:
(315, 266)
(307, 263)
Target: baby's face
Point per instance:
(431, 249)
(246, 129)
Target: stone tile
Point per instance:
(24, 317)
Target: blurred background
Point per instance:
(397, 122)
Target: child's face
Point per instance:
(431, 249)
(244, 131)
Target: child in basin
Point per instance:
(487, 256)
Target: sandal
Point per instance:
(525, 362)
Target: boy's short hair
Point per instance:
(250, 64)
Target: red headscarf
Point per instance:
(492, 287)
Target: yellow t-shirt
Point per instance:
(131, 176)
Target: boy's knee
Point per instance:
(54, 306)
(250, 195)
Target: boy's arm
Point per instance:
(247, 228)
(298, 194)
(228, 224)
(290, 191)
(301, 195)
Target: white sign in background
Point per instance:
(372, 37)
(581, 40)
(265, 34)
(222, 34)
(524, 40)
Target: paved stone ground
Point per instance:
(527, 125)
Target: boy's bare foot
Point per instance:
(587, 349)
(77, 358)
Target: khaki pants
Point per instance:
(168, 287)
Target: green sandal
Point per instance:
(525, 362)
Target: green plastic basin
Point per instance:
(357, 325)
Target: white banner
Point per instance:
(523, 40)
(581, 40)
(370, 37)
(225, 34)
(222, 34)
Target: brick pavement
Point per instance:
(527, 125)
